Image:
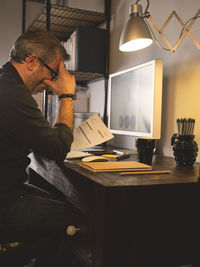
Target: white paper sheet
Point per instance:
(78, 154)
(90, 133)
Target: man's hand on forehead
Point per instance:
(65, 84)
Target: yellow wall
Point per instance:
(181, 99)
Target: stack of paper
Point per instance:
(90, 133)
(115, 166)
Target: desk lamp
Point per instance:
(137, 34)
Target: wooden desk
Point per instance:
(130, 221)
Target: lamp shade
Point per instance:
(135, 35)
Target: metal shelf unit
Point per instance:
(63, 22)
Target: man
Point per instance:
(36, 62)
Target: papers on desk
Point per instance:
(77, 154)
(90, 133)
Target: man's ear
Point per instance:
(32, 62)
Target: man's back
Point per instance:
(13, 153)
(23, 128)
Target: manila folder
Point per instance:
(115, 166)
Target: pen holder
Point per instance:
(184, 149)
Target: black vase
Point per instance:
(145, 149)
(185, 149)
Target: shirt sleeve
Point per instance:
(24, 122)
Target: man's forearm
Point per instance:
(66, 112)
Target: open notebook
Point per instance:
(115, 166)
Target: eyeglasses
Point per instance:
(54, 74)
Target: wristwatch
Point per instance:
(72, 96)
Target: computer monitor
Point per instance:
(135, 100)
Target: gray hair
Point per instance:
(37, 42)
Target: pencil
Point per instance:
(145, 172)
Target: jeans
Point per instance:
(39, 223)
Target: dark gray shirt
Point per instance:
(23, 128)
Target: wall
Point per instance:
(181, 90)
(92, 5)
(10, 26)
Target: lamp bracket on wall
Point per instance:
(137, 34)
(185, 31)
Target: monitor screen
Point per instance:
(135, 100)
